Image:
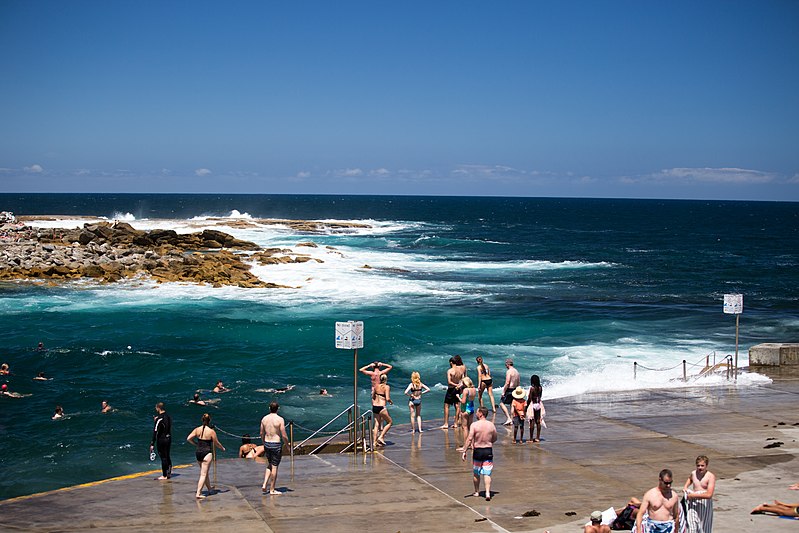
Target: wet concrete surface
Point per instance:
(598, 451)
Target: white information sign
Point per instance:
(349, 335)
(733, 304)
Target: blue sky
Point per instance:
(630, 99)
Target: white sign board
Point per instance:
(349, 335)
(733, 304)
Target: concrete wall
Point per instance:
(774, 354)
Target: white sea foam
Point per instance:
(125, 217)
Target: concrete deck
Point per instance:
(598, 451)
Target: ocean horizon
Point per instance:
(574, 290)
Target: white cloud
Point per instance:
(34, 169)
(202, 172)
(303, 175)
(709, 175)
(380, 172)
(349, 173)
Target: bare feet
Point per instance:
(199, 496)
(488, 496)
(507, 423)
(275, 492)
(161, 478)
(459, 449)
(443, 427)
(476, 494)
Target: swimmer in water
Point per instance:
(249, 450)
(4, 370)
(59, 412)
(323, 392)
(5, 392)
(220, 387)
(40, 377)
(196, 400)
(105, 408)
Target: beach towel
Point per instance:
(697, 515)
(530, 414)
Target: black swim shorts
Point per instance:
(273, 452)
(451, 398)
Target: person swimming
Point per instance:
(59, 412)
(41, 377)
(196, 400)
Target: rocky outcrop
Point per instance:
(114, 251)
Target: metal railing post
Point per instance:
(635, 369)
(684, 371)
(291, 438)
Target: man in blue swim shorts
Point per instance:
(660, 509)
(482, 436)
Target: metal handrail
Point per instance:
(349, 426)
(361, 420)
(315, 433)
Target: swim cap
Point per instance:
(5, 386)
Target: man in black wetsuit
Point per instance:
(162, 437)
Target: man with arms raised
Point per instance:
(273, 433)
(512, 380)
(482, 436)
(661, 507)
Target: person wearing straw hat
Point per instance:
(596, 525)
(512, 380)
(518, 407)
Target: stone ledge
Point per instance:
(774, 354)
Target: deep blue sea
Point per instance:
(575, 290)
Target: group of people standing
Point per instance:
(460, 397)
(204, 438)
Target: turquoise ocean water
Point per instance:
(575, 290)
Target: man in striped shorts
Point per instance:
(482, 436)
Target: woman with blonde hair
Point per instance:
(414, 391)
(206, 441)
(467, 401)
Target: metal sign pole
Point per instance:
(737, 318)
(734, 305)
(349, 336)
(355, 401)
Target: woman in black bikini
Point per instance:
(206, 441)
(484, 382)
(380, 397)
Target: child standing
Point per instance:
(518, 407)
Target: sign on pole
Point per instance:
(349, 335)
(733, 304)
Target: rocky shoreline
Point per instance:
(113, 251)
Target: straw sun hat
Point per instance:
(518, 393)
